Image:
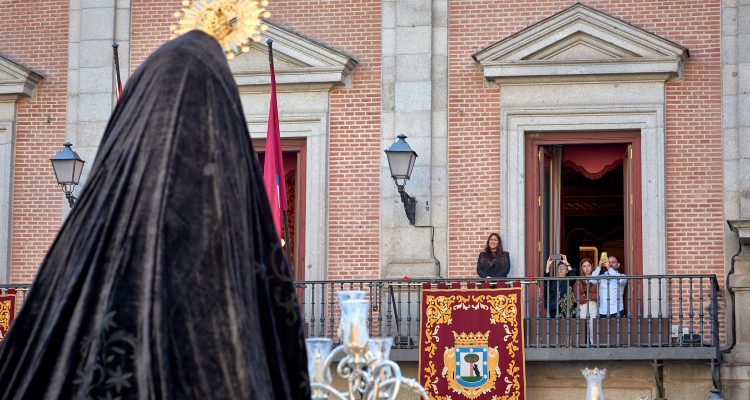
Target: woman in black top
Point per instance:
(558, 292)
(493, 262)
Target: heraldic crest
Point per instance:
(471, 365)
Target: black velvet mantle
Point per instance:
(167, 280)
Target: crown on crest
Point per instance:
(473, 339)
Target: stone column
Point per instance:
(94, 26)
(415, 104)
(735, 60)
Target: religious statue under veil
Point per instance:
(167, 280)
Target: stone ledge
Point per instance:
(581, 42)
(741, 227)
(413, 268)
(17, 81)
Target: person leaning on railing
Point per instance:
(586, 292)
(558, 292)
(611, 291)
(493, 262)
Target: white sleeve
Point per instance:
(596, 272)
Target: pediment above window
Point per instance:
(16, 81)
(297, 61)
(581, 44)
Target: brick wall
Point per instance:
(353, 27)
(694, 174)
(149, 26)
(35, 33)
(693, 148)
(354, 144)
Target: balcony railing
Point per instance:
(664, 316)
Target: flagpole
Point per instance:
(118, 81)
(284, 213)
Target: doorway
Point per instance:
(580, 198)
(293, 152)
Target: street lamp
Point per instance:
(401, 160)
(68, 167)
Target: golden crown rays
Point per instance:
(233, 23)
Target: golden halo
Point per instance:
(233, 23)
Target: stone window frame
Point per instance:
(304, 69)
(583, 70)
(516, 122)
(16, 83)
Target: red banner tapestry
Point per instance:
(7, 311)
(471, 344)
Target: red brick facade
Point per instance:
(38, 40)
(693, 149)
(694, 197)
(354, 145)
(352, 27)
(149, 26)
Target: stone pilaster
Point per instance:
(735, 60)
(94, 26)
(414, 104)
(16, 83)
(735, 373)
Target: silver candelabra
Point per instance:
(594, 378)
(364, 362)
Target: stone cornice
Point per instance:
(741, 228)
(581, 70)
(298, 61)
(16, 81)
(325, 76)
(581, 43)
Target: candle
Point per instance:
(317, 353)
(354, 335)
(318, 376)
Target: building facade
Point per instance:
(609, 125)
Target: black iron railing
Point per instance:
(663, 316)
(18, 290)
(650, 317)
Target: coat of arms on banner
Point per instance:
(471, 344)
(471, 365)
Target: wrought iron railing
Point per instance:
(21, 290)
(663, 316)
(18, 291)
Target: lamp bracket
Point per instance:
(68, 190)
(410, 204)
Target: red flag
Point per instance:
(273, 166)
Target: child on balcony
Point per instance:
(586, 292)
